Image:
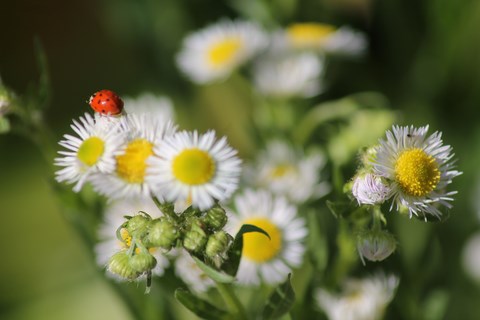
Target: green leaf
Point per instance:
(213, 273)
(44, 88)
(317, 243)
(200, 307)
(235, 251)
(280, 302)
(4, 125)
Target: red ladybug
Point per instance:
(106, 102)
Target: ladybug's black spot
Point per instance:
(103, 110)
(108, 99)
(100, 94)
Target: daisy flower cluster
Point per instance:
(287, 62)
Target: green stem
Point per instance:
(166, 208)
(233, 304)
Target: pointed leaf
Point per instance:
(200, 307)
(213, 273)
(235, 251)
(280, 302)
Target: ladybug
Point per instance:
(106, 102)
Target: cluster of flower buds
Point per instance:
(198, 232)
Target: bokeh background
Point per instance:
(424, 56)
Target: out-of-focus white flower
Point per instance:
(151, 104)
(108, 243)
(267, 260)
(187, 270)
(288, 172)
(417, 168)
(213, 53)
(195, 168)
(471, 257)
(322, 38)
(370, 189)
(290, 75)
(361, 299)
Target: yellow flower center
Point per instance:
(309, 34)
(91, 150)
(416, 172)
(224, 52)
(127, 241)
(193, 166)
(132, 164)
(257, 246)
(281, 170)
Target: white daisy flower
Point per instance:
(471, 257)
(213, 53)
(195, 168)
(92, 150)
(324, 38)
(418, 169)
(289, 75)
(160, 106)
(263, 259)
(365, 299)
(370, 189)
(108, 243)
(285, 171)
(143, 132)
(187, 270)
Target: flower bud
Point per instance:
(215, 218)
(162, 233)
(195, 238)
(119, 264)
(370, 189)
(5, 100)
(138, 225)
(375, 245)
(217, 244)
(142, 262)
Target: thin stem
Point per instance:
(233, 304)
(166, 208)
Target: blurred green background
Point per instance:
(424, 57)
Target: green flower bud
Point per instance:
(142, 262)
(119, 264)
(375, 245)
(215, 218)
(195, 237)
(138, 225)
(217, 244)
(162, 233)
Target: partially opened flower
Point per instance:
(288, 172)
(370, 189)
(290, 75)
(143, 132)
(196, 168)
(213, 53)
(268, 260)
(418, 169)
(109, 244)
(361, 299)
(325, 38)
(92, 150)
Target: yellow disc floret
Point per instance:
(416, 172)
(281, 171)
(309, 34)
(224, 52)
(131, 165)
(193, 166)
(91, 150)
(257, 246)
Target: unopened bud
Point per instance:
(119, 264)
(142, 262)
(375, 245)
(215, 218)
(162, 233)
(217, 244)
(195, 238)
(370, 189)
(138, 225)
